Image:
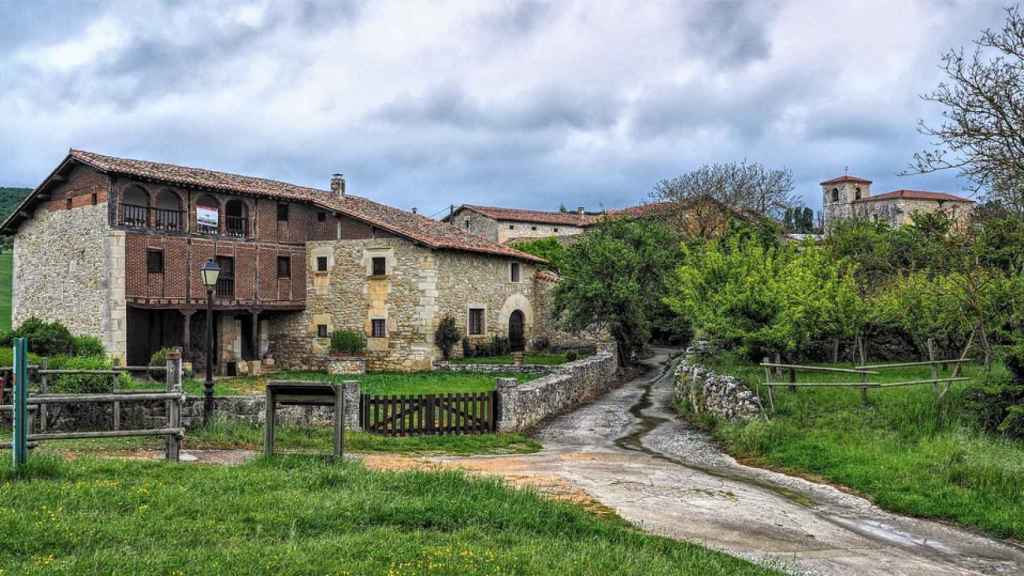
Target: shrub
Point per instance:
(84, 383)
(571, 356)
(44, 338)
(446, 336)
(541, 343)
(159, 358)
(467, 351)
(347, 342)
(88, 346)
(1015, 362)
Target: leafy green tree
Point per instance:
(549, 249)
(446, 336)
(614, 276)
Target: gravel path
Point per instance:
(628, 452)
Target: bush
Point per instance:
(467, 351)
(446, 336)
(347, 342)
(1015, 362)
(541, 343)
(159, 358)
(44, 338)
(88, 346)
(84, 383)
(571, 356)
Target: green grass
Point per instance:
(906, 450)
(6, 274)
(541, 359)
(381, 383)
(301, 515)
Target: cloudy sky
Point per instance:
(528, 104)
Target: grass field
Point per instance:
(379, 383)
(906, 450)
(6, 272)
(541, 359)
(301, 515)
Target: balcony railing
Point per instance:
(236, 226)
(225, 288)
(135, 216)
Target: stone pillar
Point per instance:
(352, 393)
(186, 337)
(506, 397)
(256, 334)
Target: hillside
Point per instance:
(9, 198)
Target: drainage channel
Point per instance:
(646, 423)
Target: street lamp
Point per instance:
(210, 271)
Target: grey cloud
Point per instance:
(730, 32)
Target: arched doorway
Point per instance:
(515, 331)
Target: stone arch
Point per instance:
(136, 195)
(521, 303)
(169, 212)
(135, 203)
(835, 194)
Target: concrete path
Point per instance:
(629, 452)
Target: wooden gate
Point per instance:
(428, 414)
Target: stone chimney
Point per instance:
(338, 184)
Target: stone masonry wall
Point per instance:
(523, 406)
(68, 264)
(703, 391)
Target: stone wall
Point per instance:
(523, 406)
(497, 368)
(704, 392)
(69, 263)
(547, 326)
(476, 223)
(420, 288)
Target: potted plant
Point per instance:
(348, 349)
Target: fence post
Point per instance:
(934, 367)
(19, 442)
(768, 382)
(863, 375)
(792, 379)
(173, 379)
(44, 387)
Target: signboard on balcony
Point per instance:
(207, 217)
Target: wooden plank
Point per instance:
(924, 363)
(822, 384)
(268, 438)
(107, 434)
(820, 368)
(928, 381)
(74, 398)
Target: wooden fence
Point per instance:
(39, 401)
(429, 414)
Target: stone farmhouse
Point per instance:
(850, 197)
(506, 224)
(111, 247)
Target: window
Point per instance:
(284, 267)
(835, 194)
(321, 216)
(857, 193)
(93, 198)
(155, 261)
(378, 328)
(556, 229)
(321, 331)
(282, 212)
(476, 321)
(511, 226)
(380, 266)
(467, 224)
(534, 228)
(514, 271)
(321, 263)
(67, 203)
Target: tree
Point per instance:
(446, 336)
(744, 186)
(615, 277)
(549, 249)
(982, 130)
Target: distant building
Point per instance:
(850, 197)
(504, 224)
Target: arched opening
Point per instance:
(835, 194)
(207, 215)
(168, 213)
(236, 220)
(857, 193)
(135, 207)
(516, 337)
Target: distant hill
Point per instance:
(9, 199)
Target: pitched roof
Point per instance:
(535, 216)
(434, 234)
(642, 210)
(916, 195)
(842, 179)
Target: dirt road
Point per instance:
(628, 452)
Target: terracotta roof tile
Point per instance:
(535, 216)
(915, 195)
(425, 230)
(842, 179)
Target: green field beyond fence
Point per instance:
(6, 275)
(907, 450)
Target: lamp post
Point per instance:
(209, 271)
